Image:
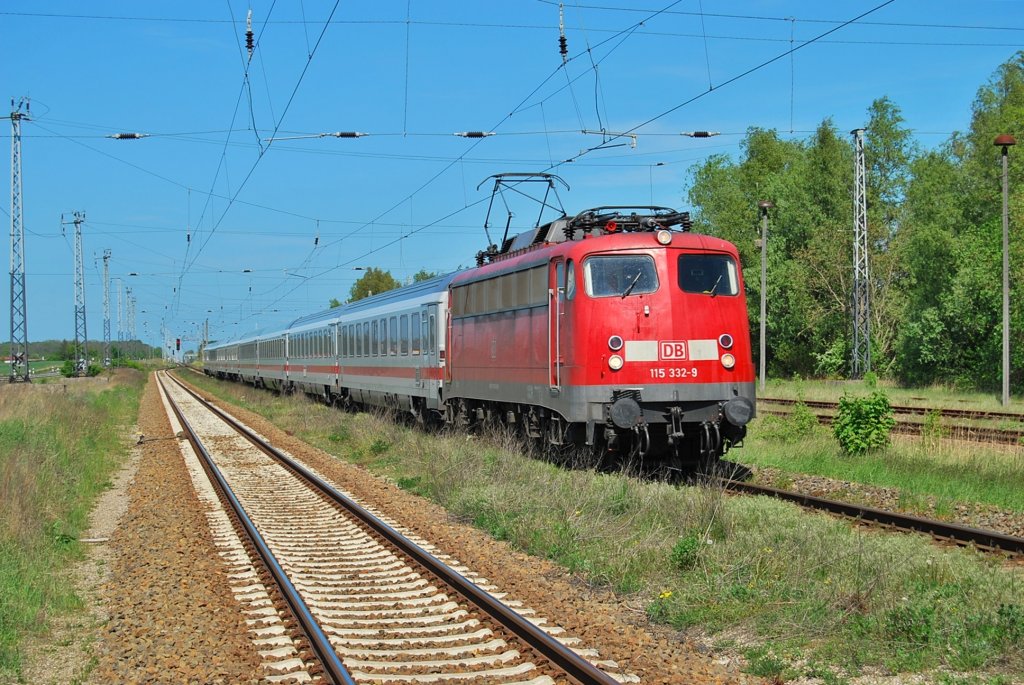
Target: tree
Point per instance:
(334, 302)
(424, 275)
(373, 282)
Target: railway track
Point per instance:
(343, 596)
(911, 411)
(940, 530)
(1004, 436)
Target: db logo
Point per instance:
(670, 350)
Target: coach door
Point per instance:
(427, 365)
(556, 303)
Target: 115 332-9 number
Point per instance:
(674, 372)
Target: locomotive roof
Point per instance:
(598, 241)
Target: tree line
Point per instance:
(935, 234)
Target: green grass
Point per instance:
(57, 452)
(808, 594)
(919, 468)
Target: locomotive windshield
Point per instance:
(619, 275)
(709, 274)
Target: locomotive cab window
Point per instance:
(619, 275)
(708, 274)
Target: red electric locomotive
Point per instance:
(607, 329)
(617, 330)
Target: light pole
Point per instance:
(1005, 141)
(764, 205)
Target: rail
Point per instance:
(558, 654)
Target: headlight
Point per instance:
(615, 343)
(725, 340)
(728, 361)
(615, 362)
(664, 237)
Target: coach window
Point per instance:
(403, 334)
(366, 339)
(415, 323)
(359, 340)
(432, 335)
(374, 338)
(383, 337)
(393, 336)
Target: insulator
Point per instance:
(249, 41)
(563, 47)
(188, 237)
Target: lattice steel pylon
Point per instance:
(19, 308)
(861, 362)
(131, 321)
(106, 308)
(81, 352)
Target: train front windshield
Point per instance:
(621, 275)
(708, 274)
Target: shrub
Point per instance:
(684, 552)
(863, 423)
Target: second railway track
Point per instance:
(378, 603)
(825, 411)
(941, 530)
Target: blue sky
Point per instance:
(216, 223)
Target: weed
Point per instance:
(762, 662)
(932, 429)
(685, 552)
(411, 483)
(340, 434)
(379, 446)
(793, 427)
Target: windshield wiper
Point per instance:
(714, 287)
(632, 284)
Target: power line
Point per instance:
(739, 76)
(402, 22)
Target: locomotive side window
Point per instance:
(538, 285)
(708, 274)
(619, 275)
(570, 280)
